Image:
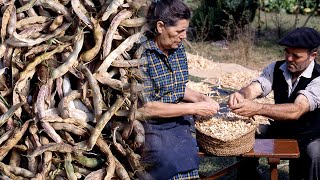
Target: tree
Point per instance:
(212, 16)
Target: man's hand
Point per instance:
(235, 98)
(246, 108)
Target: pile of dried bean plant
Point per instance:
(68, 67)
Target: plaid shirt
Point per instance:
(194, 174)
(165, 76)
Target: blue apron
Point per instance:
(169, 148)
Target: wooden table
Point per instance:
(272, 149)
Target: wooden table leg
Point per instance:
(273, 162)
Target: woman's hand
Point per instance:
(205, 108)
(210, 100)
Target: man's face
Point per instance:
(298, 59)
(171, 36)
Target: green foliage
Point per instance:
(212, 16)
(289, 6)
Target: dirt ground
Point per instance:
(204, 68)
(227, 75)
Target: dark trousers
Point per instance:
(307, 167)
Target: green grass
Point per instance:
(195, 78)
(209, 165)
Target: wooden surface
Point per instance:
(274, 148)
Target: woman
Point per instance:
(170, 151)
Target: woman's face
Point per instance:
(169, 37)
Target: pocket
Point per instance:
(164, 85)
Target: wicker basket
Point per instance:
(233, 147)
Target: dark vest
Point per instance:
(309, 124)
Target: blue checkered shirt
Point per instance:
(191, 175)
(165, 76)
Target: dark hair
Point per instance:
(167, 11)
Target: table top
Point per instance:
(274, 148)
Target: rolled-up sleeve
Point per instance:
(266, 79)
(312, 92)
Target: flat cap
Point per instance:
(303, 37)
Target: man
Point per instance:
(296, 85)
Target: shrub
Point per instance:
(290, 6)
(210, 18)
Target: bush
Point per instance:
(212, 16)
(290, 6)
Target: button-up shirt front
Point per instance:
(165, 76)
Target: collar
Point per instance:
(307, 73)
(151, 45)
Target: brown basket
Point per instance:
(233, 147)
